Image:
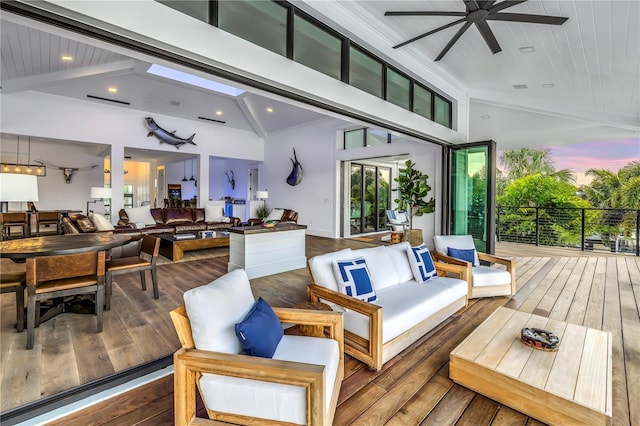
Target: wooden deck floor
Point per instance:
(602, 292)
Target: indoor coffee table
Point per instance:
(570, 386)
(172, 247)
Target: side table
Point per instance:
(313, 330)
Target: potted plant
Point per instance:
(263, 211)
(412, 194)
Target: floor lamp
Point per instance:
(17, 188)
(99, 193)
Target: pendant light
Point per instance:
(184, 179)
(192, 178)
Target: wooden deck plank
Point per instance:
(530, 280)
(595, 305)
(565, 298)
(548, 301)
(538, 293)
(481, 411)
(450, 407)
(578, 308)
(630, 341)
(416, 409)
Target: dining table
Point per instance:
(21, 249)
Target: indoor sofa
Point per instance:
(279, 215)
(177, 220)
(405, 308)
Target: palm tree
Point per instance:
(614, 190)
(526, 162)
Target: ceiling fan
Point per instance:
(478, 12)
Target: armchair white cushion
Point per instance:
(304, 371)
(483, 280)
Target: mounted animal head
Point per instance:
(231, 179)
(68, 171)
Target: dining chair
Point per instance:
(14, 282)
(14, 220)
(50, 277)
(48, 219)
(144, 261)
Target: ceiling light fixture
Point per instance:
(527, 49)
(520, 86)
(184, 179)
(485, 117)
(193, 80)
(218, 113)
(269, 109)
(67, 58)
(192, 178)
(22, 168)
(113, 90)
(547, 85)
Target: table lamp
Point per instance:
(17, 187)
(262, 195)
(99, 193)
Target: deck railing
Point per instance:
(614, 230)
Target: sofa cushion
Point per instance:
(214, 310)
(83, 223)
(486, 276)
(406, 305)
(443, 242)
(285, 403)
(397, 254)
(140, 215)
(198, 215)
(275, 214)
(213, 211)
(157, 216)
(421, 263)
(101, 223)
(383, 275)
(321, 268)
(468, 255)
(354, 279)
(289, 216)
(260, 331)
(174, 216)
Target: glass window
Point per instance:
(261, 22)
(442, 111)
(365, 72)
(197, 9)
(354, 139)
(376, 137)
(398, 88)
(316, 48)
(422, 101)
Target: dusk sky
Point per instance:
(612, 155)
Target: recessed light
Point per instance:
(520, 86)
(485, 117)
(67, 58)
(527, 49)
(218, 113)
(113, 90)
(269, 109)
(547, 85)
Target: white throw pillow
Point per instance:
(276, 214)
(214, 211)
(214, 310)
(382, 273)
(101, 222)
(421, 263)
(398, 255)
(140, 215)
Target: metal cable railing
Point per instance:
(614, 230)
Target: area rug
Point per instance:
(191, 256)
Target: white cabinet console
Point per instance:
(267, 251)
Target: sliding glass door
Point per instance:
(370, 197)
(472, 171)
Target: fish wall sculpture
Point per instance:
(166, 136)
(295, 177)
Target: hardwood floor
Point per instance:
(413, 388)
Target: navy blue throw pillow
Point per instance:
(468, 255)
(260, 331)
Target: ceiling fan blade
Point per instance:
(471, 5)
(523, 17)
(505, 4)
(453, 40)
(423, 13)
(488, 36)
(404, 43)
(486, 4)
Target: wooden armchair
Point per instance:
(484, 281)
(305, 387)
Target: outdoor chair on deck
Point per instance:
(298, 384)
(50, 277)
(144, 261)
(397, 221)
(484, 281)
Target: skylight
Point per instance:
(193, 80)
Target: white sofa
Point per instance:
(405, 310)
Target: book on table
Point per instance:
(184, 236)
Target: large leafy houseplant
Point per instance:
(412, 192)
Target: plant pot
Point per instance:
(413, 236)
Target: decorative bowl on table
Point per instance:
(538, 338)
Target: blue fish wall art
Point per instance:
(295, 177)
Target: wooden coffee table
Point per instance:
(570, 386)
(174, 249)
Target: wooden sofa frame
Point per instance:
(190, 363)
(373, 352)
(484, 291)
